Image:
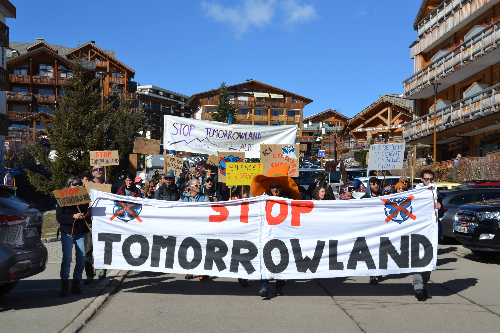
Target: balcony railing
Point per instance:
(260, 118)
(465, 53)
(19, 78)
(18, 96)
(291, 119)
(100, 63)
(41, 98)
(468, 109)
(118, 80)
(447, 16)
(261, 104)
(44, 80)
(4, 35)
(14, 115)
(306, 139)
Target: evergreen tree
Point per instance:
(225, 107)
(81, 124)
(316, 145)
(362, 158)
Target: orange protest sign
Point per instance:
(146, 146)
(72, 196)
(242, 173)
(104, 158)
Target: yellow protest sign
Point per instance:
(242, 173)
(72, 196)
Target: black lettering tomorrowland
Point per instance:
(243, 252)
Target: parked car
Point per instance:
(477, 227)
(443, 186)
(22, 254)
(453, 199)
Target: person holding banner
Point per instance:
(321, 193)
(373, 191)
(347, 190)
(210, 191)
(277, 183)
(73, 222)
(168, 190)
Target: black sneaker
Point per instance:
(373, 280)
(419, 294)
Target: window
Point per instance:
(20, 71)
(182, 99)
(258, 89)
(46, 91)
(261, 99)
(119, 90)
(44, 109)
(116, 74)
(171, 96)
(161, 93)
(463, 199)
(491, 195)
(61, 92)
(66, 74)
(275, 113)
(294, 100)
(259, 112)
(243, 111)
(46, 70)
(291, 113)
(211, 98)
(275, 100)
(63, 68)
(245, 88)
(22, 90)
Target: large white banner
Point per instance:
(267, 237)
(210, 137)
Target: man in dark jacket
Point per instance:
(372, 191)
(210, 191)
(168, 190)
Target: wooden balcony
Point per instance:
(281, 119)
(464, 54)
(261, 104)
(291, 119)
(117, 80)
(100, 63)
(63, 81)
(18, 96)
(4, 79)
(244, 117)
(44, 80)
(306, 139)
(16, 116)
(19, 78)
(260, 118)
(447, 16)
(4, 35)
(45, 98)
(475, 107)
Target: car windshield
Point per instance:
(9, 201)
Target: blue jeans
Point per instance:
(67, 242)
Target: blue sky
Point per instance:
(341, 54)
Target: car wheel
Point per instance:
(486, 254)
(6, 288)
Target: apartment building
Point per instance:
(456, 71)
(7, 10)
(37, 71)
(333, 122)
(257, 103)
(158, 102)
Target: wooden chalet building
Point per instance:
(456, 52)
(158, 102)
(257, 103)
(380, 122)
(38, 70)
(333, 122)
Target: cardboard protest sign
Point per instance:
(100, 187)
(72, 196)
(228, 158)
(174, 164)
(273, 155)
(387, 156)
(146, 146)
(242, 173)
(104, 158)
(213, 160)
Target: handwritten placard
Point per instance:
(72, 196)
(146, 146)
(242, 173)
(213, 160)
(174, 164)
(274, 155)
(387, 156)
(225, 158)
(100, 187)
(103, 158)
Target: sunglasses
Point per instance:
(98, 169)
(196, 185)
(404, 182)
(375, 184)
(169, 178)
(76, 184)
(428, 179)
(400, 188)
(349, 189)
(276, 186)
(208, 181)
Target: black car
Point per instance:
(455, 198)
(22, 254)
(477, 227)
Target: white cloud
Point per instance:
(259, 13)
(362, 12)
(296, 13)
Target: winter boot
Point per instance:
(64, 288)
(75, 287)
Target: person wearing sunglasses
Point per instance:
(400, 187)
(196, 194)
(406, 182)
(73, 222)
(168, 191)
(420, 279)
(210, 191)
(347, 190)
(98, 174)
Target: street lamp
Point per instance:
(435, 85)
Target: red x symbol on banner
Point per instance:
(399, 208)
(126, 208)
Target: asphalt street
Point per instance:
(465, 298)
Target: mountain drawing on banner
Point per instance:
(195, 139)
(289, 151)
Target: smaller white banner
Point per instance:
(387, 156)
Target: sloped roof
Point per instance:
(40, 49)
(100, 50)
(22, 48)
(216, 91)
(390, 98)
(327, 111)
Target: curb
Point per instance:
(78, 323)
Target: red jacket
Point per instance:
(135, 193)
